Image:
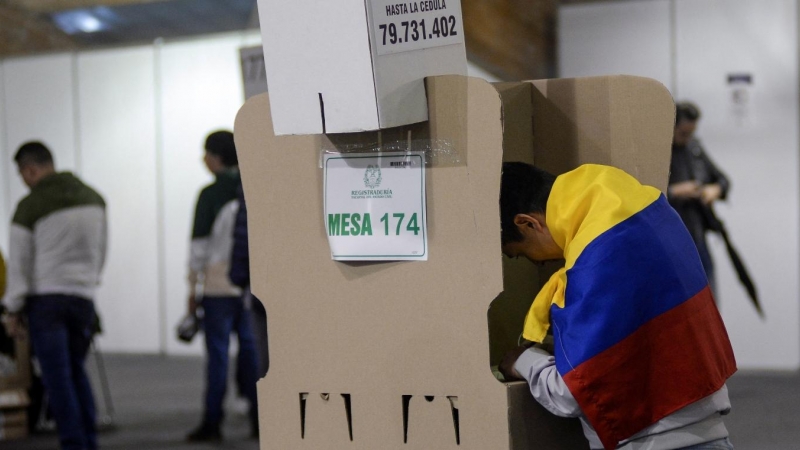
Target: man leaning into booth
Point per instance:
(641, 355)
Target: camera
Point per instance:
(188, 327)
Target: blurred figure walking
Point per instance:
(695, 183)
(223, 306)
(58, 249)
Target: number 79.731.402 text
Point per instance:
(418, 30)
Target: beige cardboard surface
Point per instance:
(623, 121)
(408, 343)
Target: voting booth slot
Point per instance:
(326, 416)
(428, 410)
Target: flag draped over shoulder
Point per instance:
(637, 334)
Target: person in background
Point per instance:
(2, 276)
(58, 249)
(223, 306)
(695, 183)
(240, 276)
(640, 353)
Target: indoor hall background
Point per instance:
(692, 46)
(130, 121)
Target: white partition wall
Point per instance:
(476, 71)
(750, 130)
(196, 98)
(118, 157)
(132, 123)
(612, 38)
(755, 141)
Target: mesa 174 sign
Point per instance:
(375, 206)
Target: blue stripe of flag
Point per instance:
(630, 274)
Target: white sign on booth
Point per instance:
(402, 26)
(375, 206)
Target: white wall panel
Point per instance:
(118, 156)
(474, 70)
(756, 144)
(631, 38)
(201, 92)
(38, 104)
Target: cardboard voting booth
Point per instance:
(398, 355)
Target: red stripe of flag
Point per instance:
(675, 359)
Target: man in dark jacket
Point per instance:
(240, 276)
(224, 311)
(695, 183)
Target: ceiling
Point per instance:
(35, 26)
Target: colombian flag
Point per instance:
(637, 334)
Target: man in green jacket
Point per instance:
(58, 249)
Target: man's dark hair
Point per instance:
(220, 143)
(524, 189)
(686, 111)
(33, 152)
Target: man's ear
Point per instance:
(529, 222)
(27, 170)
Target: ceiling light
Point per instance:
(78, 21)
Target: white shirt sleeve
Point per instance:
(20, 268)
(198, 260)
(548, 388)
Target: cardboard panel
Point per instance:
(621, 121)
(520, 276)
(533, 427)
(39, 104)
(318, 49)
(398, 330)
(325, 420)
(390, 334)
(432, 423)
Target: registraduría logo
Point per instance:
(372, 180)
(372, 176)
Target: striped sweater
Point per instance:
(58, 241)
(212, 237)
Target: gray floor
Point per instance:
(157, 400)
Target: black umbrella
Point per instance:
(744, 277)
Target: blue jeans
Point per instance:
(719, 444)
(61, 332)
(222, 316)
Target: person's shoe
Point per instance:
(205, 433)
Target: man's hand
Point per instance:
(191, 305)
(685, 189)
(507, 365)
(710, 193)
(14, 326)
